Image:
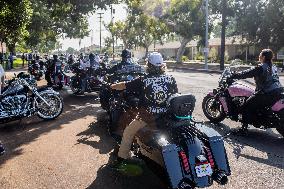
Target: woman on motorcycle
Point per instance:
(154, 89)
(268, 88)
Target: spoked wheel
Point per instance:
(76, 86)
(213, 109)
(51, 110)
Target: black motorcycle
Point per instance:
(187, 152)
(106, 93)
(91, 78)
(21, 98)
(36, 68)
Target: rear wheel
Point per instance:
(213, 109)
(76, 86)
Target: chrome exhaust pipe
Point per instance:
(221, 178)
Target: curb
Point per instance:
(196, 70)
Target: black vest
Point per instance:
(268, 80)
(157, 90)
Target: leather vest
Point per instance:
(157, 90)
(268, 80)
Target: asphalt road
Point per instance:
(71, 151)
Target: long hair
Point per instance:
(268, 56)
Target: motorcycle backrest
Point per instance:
(181, 106)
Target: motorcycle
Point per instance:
(21, 98)
(93, 81)
(187, 152)
(106, 93)
(36, 69)
(226, 102)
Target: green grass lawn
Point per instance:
(17, 63)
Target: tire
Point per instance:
(49, 112)
(208, 110)
(75, 86)
(281, 131)
(104, 99)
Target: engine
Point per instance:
(13, 105)
(239, 101)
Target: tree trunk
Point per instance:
(11, 47)
(181, 50)
(146, 51)
(223, 34)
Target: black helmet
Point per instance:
(126, 53)
(55, 56)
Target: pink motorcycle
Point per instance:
(226, 102)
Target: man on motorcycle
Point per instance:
(154, 90)
(125, 56)
(268, 87)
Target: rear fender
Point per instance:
(217, 147)
(278, 106)
(194, 149)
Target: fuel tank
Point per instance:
(240, 89)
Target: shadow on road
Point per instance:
(19, 133)
(107, 178)
(105, 145)
(269, 143)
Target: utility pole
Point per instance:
(112, 18)
(206, 49)
(100, 17)
(223, 34)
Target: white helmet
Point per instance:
(156, 59)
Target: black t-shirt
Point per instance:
(154, 91)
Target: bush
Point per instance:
(184, 58)
(199, 56)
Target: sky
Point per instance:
(94, 25)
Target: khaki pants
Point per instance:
(128, 136)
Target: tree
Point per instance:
(261, 22)
(70, 50)
(186, 19)
(225, 8)
(14, 16)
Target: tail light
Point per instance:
(210, 157)
(185, 163)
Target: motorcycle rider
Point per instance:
(53, 67)
(125, 56)
(268, 87)
(70, 59)
(154, 89)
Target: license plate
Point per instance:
(203, 170)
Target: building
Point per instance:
(3, 47)
(236, 47)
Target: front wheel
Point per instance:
(213, 109)
(53, 109)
